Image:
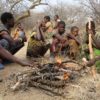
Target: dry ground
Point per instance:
(84, 88)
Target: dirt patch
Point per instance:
(83, 88)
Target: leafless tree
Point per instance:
(71, 14)
(20, 8)
(93, 7)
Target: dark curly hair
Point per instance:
(61, 22)
(47, 17)
(6, 16)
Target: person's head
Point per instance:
(61, 27)
(75, 30)
(56, 17)
(46, 19)
(7, 19)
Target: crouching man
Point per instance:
(9, 46)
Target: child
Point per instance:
(74, 42)
(20, 34)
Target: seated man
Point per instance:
(37, 46)
(74, 42)
(5, 34)
(8, 45)
(59, 42)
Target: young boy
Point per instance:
(19, 33)
(74, 42)
(59, 42)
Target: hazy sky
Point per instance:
(54, 2)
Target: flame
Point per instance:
(66, 76)
(58, 60)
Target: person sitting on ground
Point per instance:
(48, 27)
(19, 33)
(59, 41)
(95, 44)
(8, 45)
(74, 42)
(56, 19)
(37, 46)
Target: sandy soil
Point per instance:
(84, 88)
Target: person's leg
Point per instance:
(18, 45)
(4, 43)
(43, 49)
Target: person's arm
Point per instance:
(7, 55)
(42, 34)
(58, 37)
(48, 25)
(73, 37)
(6, 36)
(97, 44)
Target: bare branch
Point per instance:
(15, 4)
(34, 5)
(25, 14)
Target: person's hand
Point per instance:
(25, 63)
(90, 31)
(70, 36)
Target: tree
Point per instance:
(93, 6)
(20, 8)
(71, 14)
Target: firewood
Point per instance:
(52, 83)
(44, 87)
(16, 86)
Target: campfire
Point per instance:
(50, 76)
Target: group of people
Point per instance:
(61, 42)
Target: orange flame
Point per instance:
(58, 60)
(66, 76)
